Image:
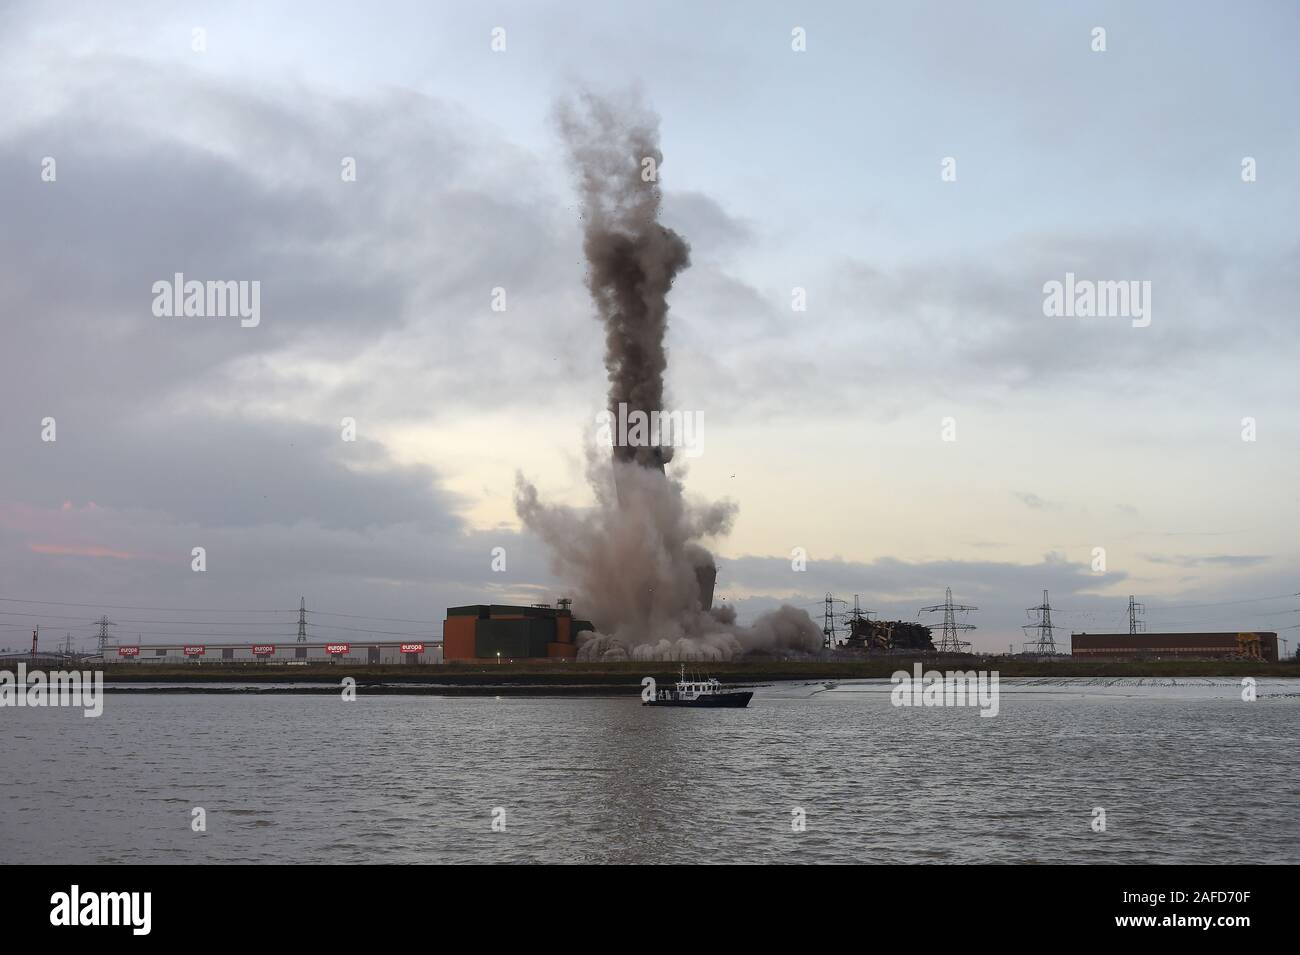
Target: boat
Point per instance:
(704, 693)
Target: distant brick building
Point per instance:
(499, 631)
(1255, 645)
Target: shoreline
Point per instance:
(616, 679)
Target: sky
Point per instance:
(920, 424)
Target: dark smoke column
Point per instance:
(631, 262)
(632, 259)
(635, 561)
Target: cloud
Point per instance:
(375, 305)
(897, 589)
(81, 550)
(1031, 500)
(1208, 560)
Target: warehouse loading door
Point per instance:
(373, 655)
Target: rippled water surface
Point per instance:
(1185, 773)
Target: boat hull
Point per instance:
(737, 700)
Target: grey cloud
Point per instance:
(1031, 500)
(1212, 560)
(178, 429)
(215, 472)
(712, 230)
(897, 589)
(1082, 600)
(216, 182)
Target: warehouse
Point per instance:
(1252, 645)
(504, 633)
(282, 653)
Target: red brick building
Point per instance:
(1175, 646)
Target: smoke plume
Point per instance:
(631, 259)
(636, 560)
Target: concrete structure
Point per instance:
(706, 576)
(1248, 645)
(281, 652)
(508, 633)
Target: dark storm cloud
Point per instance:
(898, 335)
(179, 174)
(174, 433)
(180, 430)
(1209, 303)
(217, 472)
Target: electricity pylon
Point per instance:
(1135, 610)
(1046, 643)
(949, 643)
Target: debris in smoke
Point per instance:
(635, 560)
(631, 258)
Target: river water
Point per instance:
(1184, 773)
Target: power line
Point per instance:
(58, 603)
(102, 639)
(394, 633)
(1225, 603)
(353, 616)
(1220, 603)
(829, 636)
(1135, 610)
(1046, 642)
(266, 630)
(949, 643)
(178, 623)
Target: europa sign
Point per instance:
(128, 651)
(194, 651)
(337, 649)
(263, 651)
(413, 648)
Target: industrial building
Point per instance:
(887, 636)
(500, 632)
(285, 653)
(1175, 646)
